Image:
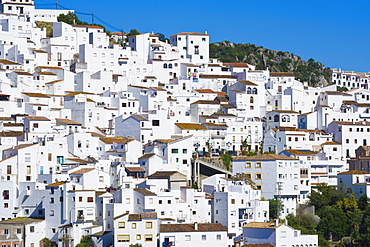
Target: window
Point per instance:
(51, 212)
(32, 229)
(175, 151)
(184, 151)
(258, 176)
(204, 237)
(80, 199)
(121, 225)
(28, 171)
(258, 164)
(90, 199)
(123, 238)
(218, 237)
(148, 237)
(148, 225)
(155, 122)
(232, 201)
(27, 157)
(36, 125)
(133, 225)
(248, 164)
(187, 238)
(52, 200)
(138, 236)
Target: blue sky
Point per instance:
(336, 33)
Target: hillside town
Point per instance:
(124, 143)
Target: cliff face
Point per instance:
(310, 71)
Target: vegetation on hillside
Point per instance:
(343, 219)
(47, 25)
(310, 71)
(72, 19)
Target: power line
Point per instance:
(93, 16)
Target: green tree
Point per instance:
(85, 242)
(333, 224)
(354, 215)
(135, 245)
(45, 242)
(70, 18)
(273, 208)
(305, 222)
(363, 236)
(363, 202)
(227, 159)
(132, 33)
(325, 196)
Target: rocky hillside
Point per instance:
(315, 73)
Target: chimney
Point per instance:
(276, 222)
(196, 226)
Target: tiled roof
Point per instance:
(116, 139)
(248, 83)
(188, 126)
(56, 184)
(190, 33)
(352, 172)
(205, 91)
(330, 143)
(242, 65)
(217, 76)
(82, 171)
(264, 157)
(40, 95)
(45, 73)
(21, 146)
(202, 227)
(337, 93)
(53, 82)
(146, 156)
(145, 215)
(49, 67)
(4, 61)
(37, 118)
(11, 133)
(68, 121)
(262, 225)
(134, 169)
(206, 102)
(21, 220)
(139, 117)
(284, 111)
(163, 174)
(119, 216)
(144, 192)
(22, 73)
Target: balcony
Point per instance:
(218, 135)
(182, 217)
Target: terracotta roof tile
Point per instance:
(144, 192)
(82, 171)
(264, 157)
(202, 227)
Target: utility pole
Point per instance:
(280, 186)
(92, 18)
(56, 4)
(122, 37)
